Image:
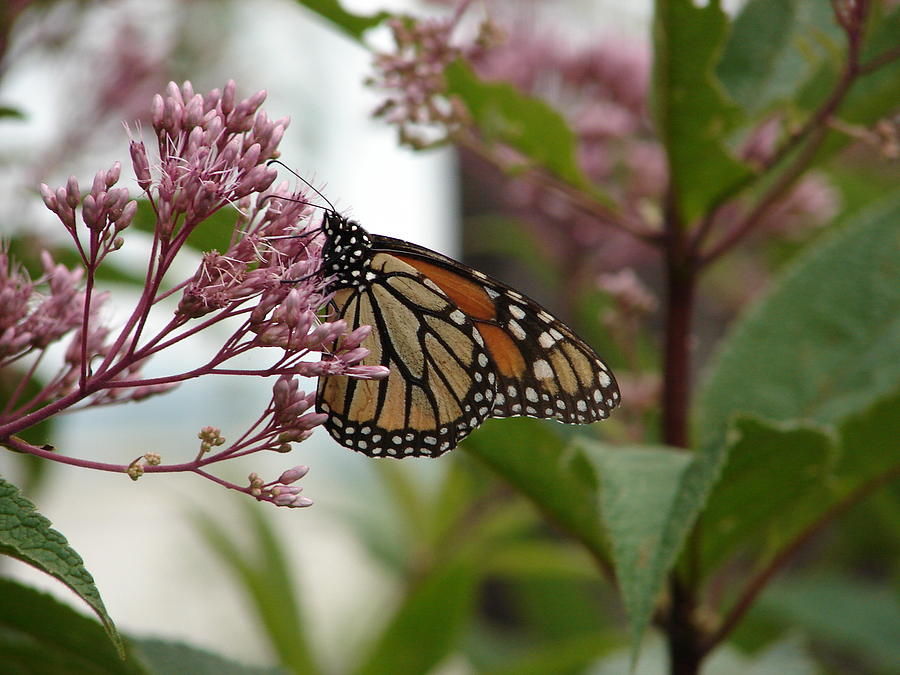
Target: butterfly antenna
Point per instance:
(308, 184)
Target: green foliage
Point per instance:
(692, 114)
(526, 123)
(774, 47)
(38, 634)
(352, 24)
(774, 477)
(783, 479)
(871, 98)
(530, 456)
(9, 112)
(569, 655)
(852, 617)
(215, 233)
(27, 536)
(428, 623)
(174, 658)
(648, 503)
(825, 343)
(41, 635)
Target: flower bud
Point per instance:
(73, 194)
(293, 475)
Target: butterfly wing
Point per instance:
(441, 384)
(543, 369)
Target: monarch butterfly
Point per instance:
(460, 346)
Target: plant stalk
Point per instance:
(684, 637)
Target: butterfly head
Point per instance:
(346, 253)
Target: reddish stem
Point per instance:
(684, 636)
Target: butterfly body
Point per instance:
(460, 347)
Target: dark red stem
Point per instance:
(684, 636)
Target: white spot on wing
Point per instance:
(542, 370)
(516, 329)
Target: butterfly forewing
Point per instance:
(440, 385)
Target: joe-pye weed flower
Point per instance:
(212, 153)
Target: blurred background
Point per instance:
(74, 71)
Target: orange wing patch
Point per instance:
(506, 355)
(469, 296)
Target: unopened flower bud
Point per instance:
(141, 164)
(127, 215)
(73, 194)
(48, 197)
(292, 475)
(112, 176)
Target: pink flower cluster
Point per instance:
(412, 76)
(212, 153)
(31, 321)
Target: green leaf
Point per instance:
(530, 455)
(774, 47)
(869, 443)
(804, 472)
(9, 112)
(428, 623)
(39, 634)
(534, 128)
(409, 504)
(540, 559)
(692, 114)
(354, 25)
(175, 658)
(648, 503)
(771, 488)
(824, 343)
(263, 570)
(859, 618)
(26, 535)
(215, 232)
